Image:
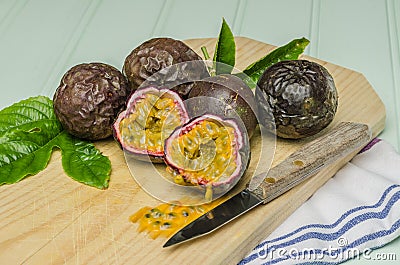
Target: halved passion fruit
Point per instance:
(208, 151)
(151, 116)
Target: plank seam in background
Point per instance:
(10, 16)
(239, 15)
(69, 48)
(392, 18)
(313, 48)
(158, 28)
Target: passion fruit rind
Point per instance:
(89, 98)
(297, 97)
(152, 114)
(209, 151)
(164, 62)
(224, 95)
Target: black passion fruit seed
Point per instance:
(150, 117)
(89, 98)
(300, 94)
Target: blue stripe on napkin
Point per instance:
(362, 214)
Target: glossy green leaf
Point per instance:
(290, 51)
(225, 50)
(83, 162)
(29, 131)
(26, 128)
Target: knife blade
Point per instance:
(342, 140)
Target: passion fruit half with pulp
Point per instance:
(151, 115)
(300, 94)
(209, 151)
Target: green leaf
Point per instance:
(21, 155)
(290, 51)
(83, 162)
(225, 50)
(26, 128)
(29, 131)
(27, 114)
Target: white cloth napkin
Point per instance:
(356, 211)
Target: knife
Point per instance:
(342, 140)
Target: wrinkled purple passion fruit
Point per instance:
(226, 96)
(300, 94)
(208, 151)
(89, 98)
(151, 115)
(156, 56)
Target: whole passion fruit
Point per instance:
(158, 54)
(300, 94)
(151, 115)
(226, 96)
(209, 151)
(89, 98)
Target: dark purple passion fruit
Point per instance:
(226, 96)
(89, 98)
(301, 95)
(209, 151)
(158, 54)
(151, 115)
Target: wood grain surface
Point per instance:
(50, 219)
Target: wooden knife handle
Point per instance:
(312, 157)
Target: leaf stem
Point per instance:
(205, 52)
(211, 69)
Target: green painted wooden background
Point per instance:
(41, 39)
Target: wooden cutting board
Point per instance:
(50, 219)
